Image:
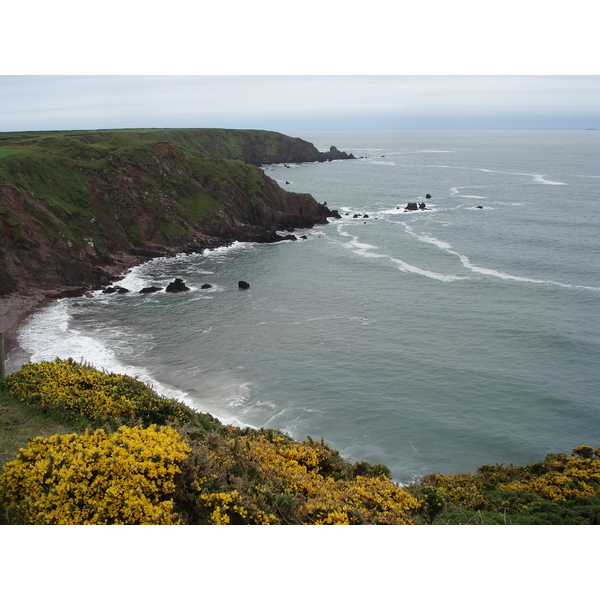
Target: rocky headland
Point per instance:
(79, 208)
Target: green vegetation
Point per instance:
(133, 457)
(81, 446)
(561, 490)
(251, 146)
(69, 200)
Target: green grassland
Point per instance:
(122, 191)
(252, 146)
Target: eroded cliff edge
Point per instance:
(74, 205)
(78, 208)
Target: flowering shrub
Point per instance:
(96, 478)
(260, 478)
(564, 478)
(561, 489)
(73, 390)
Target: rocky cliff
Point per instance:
(78, 207)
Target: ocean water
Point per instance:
(429, 341)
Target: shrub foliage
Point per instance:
(75, 392)
(168, 464)
(126, 477)
(560, 490)
(193, 470)
(264, 477)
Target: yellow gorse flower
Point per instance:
(126, 477)
(78, 390)
(293, 470)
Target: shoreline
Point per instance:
(17, 307)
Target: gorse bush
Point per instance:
(560, 490)
(262, 478)
(193, 471)
(74, 391)
(168, 464)
(126, 477)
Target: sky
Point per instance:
(299, 102)
(286, 67)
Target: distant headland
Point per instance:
(77, 208)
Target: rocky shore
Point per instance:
(78, 209)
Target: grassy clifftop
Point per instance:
(71, 202)
(254, 147)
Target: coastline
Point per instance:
(17, 307)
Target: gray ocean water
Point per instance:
(429, 341)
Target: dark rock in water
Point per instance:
(411, 206)
(356, 216)
(427, 196)
(290, 237)
(177, 286)
(335, 214)
(479, 207)
(243, 285)
(150, 290)
(115, 290)
(365, 216)
(206, 286)
(304, 237)
(287, 183)
(422, 206)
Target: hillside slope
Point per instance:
(76, 207)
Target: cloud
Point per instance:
(275, 102)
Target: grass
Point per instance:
(19, 423)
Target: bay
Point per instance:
(429, 341)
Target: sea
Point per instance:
(430, 341)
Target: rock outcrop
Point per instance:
(177, 286)
(79, 208)
(335, 154)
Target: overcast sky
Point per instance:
(284, 103)
(287, 66)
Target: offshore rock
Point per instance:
(150, 290)
(411, 206)
(177, 286)
(115, 290)
(243, 285)
(335, 154)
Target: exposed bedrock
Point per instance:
(177, 286)
(79, 210)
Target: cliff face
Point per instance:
(76, 208)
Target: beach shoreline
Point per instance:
(16, 308)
